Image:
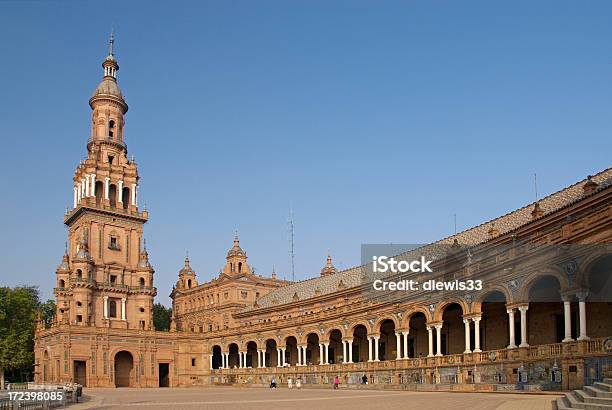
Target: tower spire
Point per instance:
(111, 42)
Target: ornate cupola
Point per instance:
(329, 268)
(236, 260)
(187, 277)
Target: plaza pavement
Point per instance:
(236, 398)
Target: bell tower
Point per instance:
(105, 278)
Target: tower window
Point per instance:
(111, 124)
(239, 267)
(114, 243)
(142, 282)
(193, 362)
(112, 308)
(113, 279)
(79, 318)
(110, 159)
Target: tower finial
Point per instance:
(111, 41)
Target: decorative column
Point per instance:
(123, 308)
(344, 351)
(133, 192)
(582, 314)
(326, 352)
(476, 320)
(263, 358)
(120, 192)
(438, 339)
(321, 358)
(284, 356)
(211, 361)
(105, 307)
(398, 344)
(83, 193)
(278, 357)
(106, 187)
(299, 358)
(567, 318)
(512, 344)
(79, 193)
(239, 359)
(349, 342)
(466, 322)
(226, 360)
(430, 339)
(405, 334)
(92, 190)
(376, 357)
(523, 310)
(370, 348)
(76, 197)
(86, 185)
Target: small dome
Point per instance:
(236, 250)
(108, 86)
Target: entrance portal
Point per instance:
(124, 365)
(80, 372)
(164, 375)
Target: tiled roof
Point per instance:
(479, 234)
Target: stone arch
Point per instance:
(312, 341)
(252, 355)
(217, 359)
(291, 350)
(331, 329)
(523, 294)
(359, 333)
(451, 316)
(335, 337)
(271, 355)
(483, 294)
(354, 325)
(233, 359)
(392, 317)
(437, 316)
(123, 362)
(493, 326)
(413, 311)
(387, 340)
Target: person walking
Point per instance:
(273, 383)
(298, 383)
(364, 379)
(290, 383)
(336, 382)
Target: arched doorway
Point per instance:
(387, 348)
(252, 357)
(112, 195)
(545, 323)
(124, 366)
(360, 344)
(494, 322)
(418, 337)
(291, 353)
(233, 359)
(453, 331)
(335, 346)
(599, 298)
(271, 356)
(312, 348)
(217, 359)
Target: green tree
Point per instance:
(161, 317)
(47, 310)
(18, 312)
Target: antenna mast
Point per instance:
(292, 244)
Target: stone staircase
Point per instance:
(595, 397)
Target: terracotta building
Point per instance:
(542, 320)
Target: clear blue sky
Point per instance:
(375, 120)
